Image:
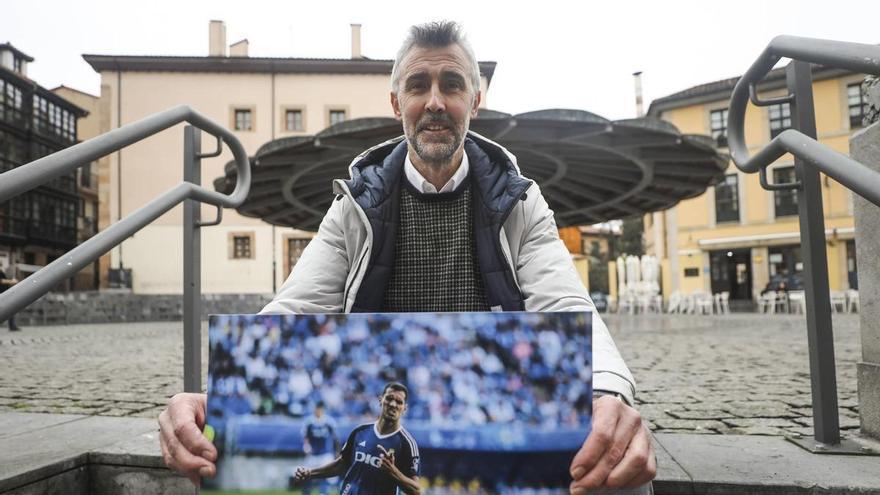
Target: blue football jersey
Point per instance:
(321, 435)
(361, 453)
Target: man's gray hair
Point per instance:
(435, 35)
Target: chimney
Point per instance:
(640, 111)
(239, 49)
(356, 41)
(217, 39)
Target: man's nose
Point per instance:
(436, 101)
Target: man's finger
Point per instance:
(604, 422)
(182, 459)
(650, 470)
(628, 424)
(634, 463)
(382, 449)
(192, 438)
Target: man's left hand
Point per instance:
(617, 453)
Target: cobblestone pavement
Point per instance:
(739, 374)
(736, 374)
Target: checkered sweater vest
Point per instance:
(435, 264)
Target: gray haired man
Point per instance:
(441, 219)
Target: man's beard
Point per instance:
(435, 153)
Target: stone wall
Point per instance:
(123, 306)
(871, 90)
(865, 148)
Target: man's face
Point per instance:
(393, 404)
(436, 100)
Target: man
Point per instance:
(378, 458)
(319, 441)
(442, 220)
(5, 283)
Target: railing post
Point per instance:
(826, 427)
(192, 265)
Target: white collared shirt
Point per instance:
(420, 183)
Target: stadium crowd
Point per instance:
(461, 369)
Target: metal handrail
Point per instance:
(857, 57)
(31, 175)
(810, 158)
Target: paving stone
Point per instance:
(744, 410)
(679, 424)
(701, 414)
(763, 423)
(759, 430)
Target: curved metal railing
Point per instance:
(31, 175)
(811, 158)
(857, 57)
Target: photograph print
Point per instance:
(435, 403)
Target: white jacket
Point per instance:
(327, 276)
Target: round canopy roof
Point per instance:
(590, 169)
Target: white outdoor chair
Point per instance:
(838, 300)
(852, 301)
(722, 302)
(767, 303)
(643, 303)
(797, 301)
(675, 303)
(704, 303)
(627, 305)
(782, 302)
(656, 304)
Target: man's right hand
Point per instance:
(302, 474)
(184, 448)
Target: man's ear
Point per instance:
(476, 107)
(395, 105)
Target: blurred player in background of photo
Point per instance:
(379, 458)
(320, 444)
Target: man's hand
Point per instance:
(302, 475)
(387, 461)
(617, 454)
(184, 448)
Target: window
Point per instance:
(718, 126)
(295, 248)
(293, 120)
(858, 106)
(16, 64)
(241, 247)
(785, 201)
(49, 118)
(727, 199)
(243, 119)
(11, 103)
(780, 118)
(85, 176)
(337, 116)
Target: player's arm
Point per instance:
(336, 467)
(409, 484)
(333, 468)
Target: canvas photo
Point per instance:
(457, 402)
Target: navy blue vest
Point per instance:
(497, 186)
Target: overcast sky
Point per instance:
(550, 54)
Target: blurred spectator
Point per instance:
(467, 369)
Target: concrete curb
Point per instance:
(54, 453)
